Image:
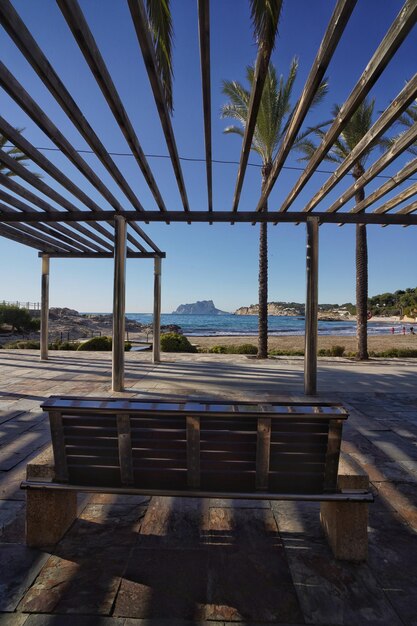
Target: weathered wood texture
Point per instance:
(204, 36)
(140, 22)
(334, 32)
(395, 36)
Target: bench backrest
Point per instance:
(200, 446)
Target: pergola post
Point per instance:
(119, 292)
(156, 348)
(310, 347)
(44, 307)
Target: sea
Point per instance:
(247, 325)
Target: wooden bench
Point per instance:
(271, 451)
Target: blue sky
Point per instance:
(216, 262)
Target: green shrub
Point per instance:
(276, 352)
(398, 353)
(29, 344)
(174, 342)
(96, 343)
(68, 345)
(332, 351)
(19, 319)
(218, 350)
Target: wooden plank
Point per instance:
(125, 448)
(14, 234)
(335, 29)
(58, 445)
(332, 455)
(193, 451)
(37, 157)
(262, 452)
(26, 43)
(395, 36)
(260, 74)
(88, 46)
(204, 38)
(48, 211)
(140, 22)
(391, 113)
(404, 141)
(398, 199)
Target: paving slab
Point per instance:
(20, 567)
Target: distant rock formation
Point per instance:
(326, 312)
(202, 307)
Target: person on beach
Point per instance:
(412, 330)
(403, 330)
(392, 330)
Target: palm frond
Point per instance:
(265, 17)
(160, 26)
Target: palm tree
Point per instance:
(272, 122)
(160, 27)
(14, 152)
(407, 120)
(355, 129)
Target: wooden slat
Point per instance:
(262, 452)
(404, 141)
(125, 448)
(335, 29)
(395, 36)
(88, 46)
(34, 111)
(140, 22)
(58, 445)
(24, 40)
(260, 74)
(398, 199)
(204, 36)
(193, 451)
(391, 113)
(332, 455)
(37, 157)
(14, 234)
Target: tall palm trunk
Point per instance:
(263, 276)
(361, 278)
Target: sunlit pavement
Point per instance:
(173, 561)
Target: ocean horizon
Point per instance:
(247, 325)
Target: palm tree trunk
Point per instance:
(263, 276)
(361, 280)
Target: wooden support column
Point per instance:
(156, 348)
(119, 292)
(44, 307)
(310, 346)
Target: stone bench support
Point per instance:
(346, 523)
(49, 513)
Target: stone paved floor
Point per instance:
(176, 561)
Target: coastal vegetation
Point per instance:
(273, 119)
(175, 342)
(17, 319)
(355, 129)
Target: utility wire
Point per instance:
(197, 160)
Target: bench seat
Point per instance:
(275, 451)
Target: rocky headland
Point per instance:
(201, 307)
(296, 309)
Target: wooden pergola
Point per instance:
(62, 230)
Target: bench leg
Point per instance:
(49, 514)
(346, 527)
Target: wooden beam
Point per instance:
(47, 212)
(204, 35)
(261, 71)
(396, 200)
(311, 309)
(49, 235)
(119, 297)
(403, 142)
(395, 36)
(44, 308)
(140, 22)
(23, 39)
(13, 233)
(221, 217)
(88, 46)
(105, 255)
(391, 113)
(332, 36)
(37, 157)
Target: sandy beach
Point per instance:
(377, 343)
